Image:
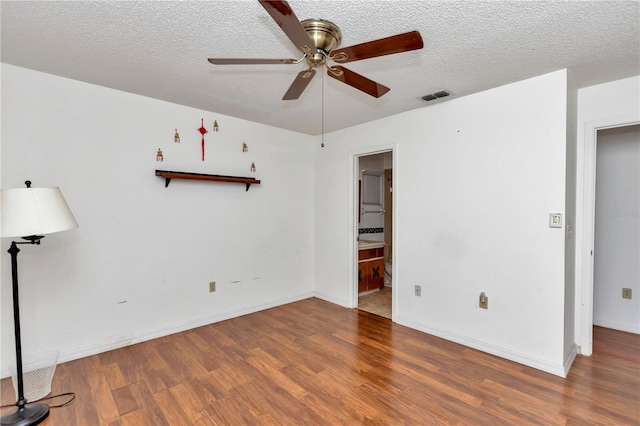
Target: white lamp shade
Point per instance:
(34, 211)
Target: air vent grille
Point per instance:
(436, 95)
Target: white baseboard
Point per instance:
(329, 299)
(571, 356)
(629, 328)
(558, 370)
(94, 349)
(520, 358)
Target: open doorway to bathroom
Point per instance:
(375, 231)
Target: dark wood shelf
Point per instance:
(168, 175)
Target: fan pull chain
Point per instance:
(322, 111)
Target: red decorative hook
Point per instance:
(202, 130)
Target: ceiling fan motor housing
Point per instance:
(325, 36)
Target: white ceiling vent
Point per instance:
(437, 95)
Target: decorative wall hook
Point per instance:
(202, 131)
(253, 166)
(215, 126)
(176, 137)
(245, 148)
(159, 156)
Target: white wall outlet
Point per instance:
(484, 301)
(417, 290)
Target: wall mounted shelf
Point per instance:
(168, 175)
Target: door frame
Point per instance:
(587, 212)
(354, 157)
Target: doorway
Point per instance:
(374, 247)
(616, 277)
(586, 214)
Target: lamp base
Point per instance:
(30, 414)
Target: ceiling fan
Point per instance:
(318, 39)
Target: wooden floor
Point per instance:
(315, 363)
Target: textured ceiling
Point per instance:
(160, 50)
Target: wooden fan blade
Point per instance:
(282, 13)
(249, 61)
(299, 84)
(358, 81)
(385, 46)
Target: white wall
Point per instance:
(605, 105)
(140, 263)
(570, 347)
(473, 196)
(617, 230)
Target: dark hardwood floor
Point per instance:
(315, 363)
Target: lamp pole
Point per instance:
(34, 212)
(31, 414)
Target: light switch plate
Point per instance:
(555, 220)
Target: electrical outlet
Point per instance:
(417, 290)
(484, 301)
(212, 286)
(626, 293)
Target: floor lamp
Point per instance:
(29, 213)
